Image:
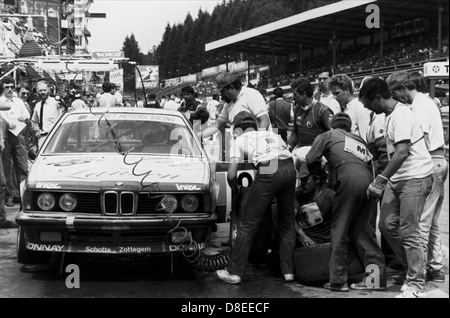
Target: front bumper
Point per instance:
(113, 235)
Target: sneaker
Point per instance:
(404, 287)
(337, 287)
(363, 286)
(9, 202)
(8, 225)
(226, 277)
(399, 280)
(411, 292)
(288, 278)
(435, 276)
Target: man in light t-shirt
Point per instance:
(406, 182)
(342, 88)
(405, 88)
(275, 176)
(238, 98)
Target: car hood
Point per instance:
(106, 169)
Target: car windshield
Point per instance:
(117, 132)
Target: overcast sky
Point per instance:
(146, 19)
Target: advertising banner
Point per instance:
(116, 77)
(150, 76)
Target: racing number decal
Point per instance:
(245, 177)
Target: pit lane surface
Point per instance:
(150, 276)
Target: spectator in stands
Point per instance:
(280, 113)
(342, 88)
(403, 185)
(311, 118)
(404, 90)
(237, 99)
(324, 93)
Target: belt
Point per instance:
(437, 152)
(278, 161)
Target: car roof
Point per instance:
(130, 110)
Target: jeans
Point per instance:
(280, 184)
(429, 222)
(2, 191)
(15, 148)
(354, 222)
(401, 210)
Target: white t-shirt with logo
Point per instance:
(402, 124)
(430, 120)
(259, 146)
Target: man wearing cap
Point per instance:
(275, 177)
(354, 215)
(403, 185)
(238, 98)
(404, 89)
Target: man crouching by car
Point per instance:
(275, 177)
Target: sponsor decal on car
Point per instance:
(44, 185)
(45, 247)
(187, 187)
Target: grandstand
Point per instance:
(335, 35)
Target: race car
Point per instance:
(117, 181)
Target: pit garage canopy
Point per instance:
(345, 19)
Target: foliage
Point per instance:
(182, 48)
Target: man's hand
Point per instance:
(12, 125)
(376, 188)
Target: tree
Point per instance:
(133, 52)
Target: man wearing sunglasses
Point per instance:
(14, 151)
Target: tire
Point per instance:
(25, 256)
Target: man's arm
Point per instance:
(232, 176)
(4, 105)
(264, 122)
(216, 127)
(401, 152)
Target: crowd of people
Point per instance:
(381, 150)
(347, 158)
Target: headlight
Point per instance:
(46, 201)
(68, 202)
(168, 204)
(189, 203)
